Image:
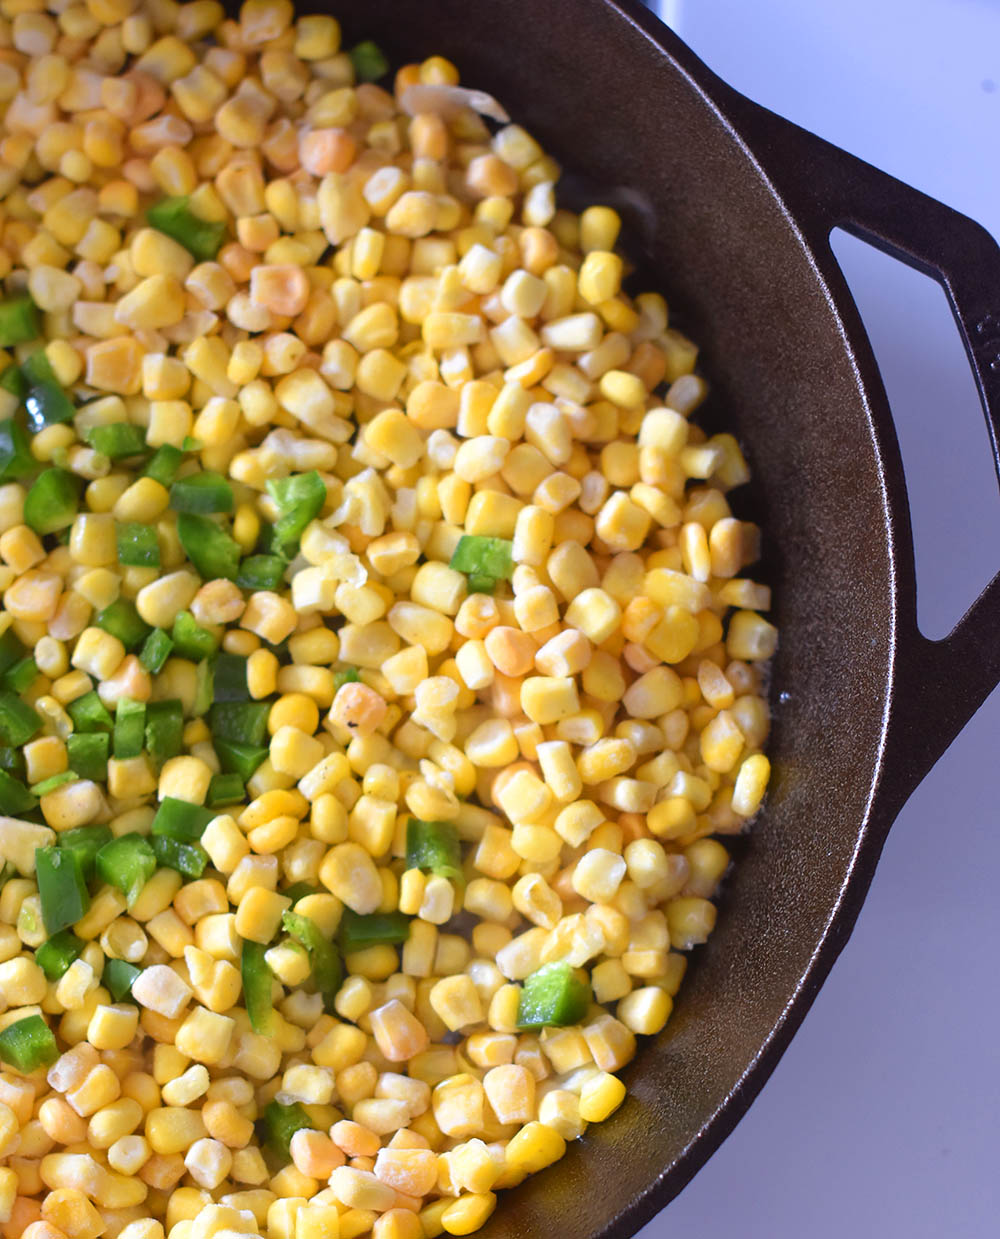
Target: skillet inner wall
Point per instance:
(606, 102)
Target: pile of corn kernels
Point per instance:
(396, 306)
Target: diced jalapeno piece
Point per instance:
(138, 545)
(257, 981)
(202, 492)
(51, 503)
(18, 721)
(56, 955)
(356, 932)
(202, 238)
(434, 848)
(18, 320)
(28, 1044)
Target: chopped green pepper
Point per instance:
(346, 675)
(299, 500)
(16, 460)
(130, 728)
(241, 759)
(127, 862)
(485, 561)
(202, 238)
(89, 713)
(123, 621)
(357, 932)
(119, 977)
(18, 320)
(225, 789)
(50, 784)
(189, 859)
(156, 650)
(138, 545)
(45, 401)
(204, 688)
(117, 440)
(164, 730)
(86, 842)
(15, 798)
(280, 1123)
(256, 986)
(369, 61)
(51, 503)
(18, 721)
(299, 890)
(434, 848)
(202, 492)
(11, 649)
(327, 969)
(56, 955)
(240, 722)
(230, 677)
(21, 676)
(88, 754)
(191, 640)
(163, 464)
(61, 887)
(554, 996)
(261, 572)
(28, 1044)
(212, 551)
(177, 819)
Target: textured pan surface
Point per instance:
(605, 100)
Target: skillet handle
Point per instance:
(937, 685)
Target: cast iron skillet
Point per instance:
(744, 203)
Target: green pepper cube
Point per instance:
(434, 848)
(156, 650)
(89, 713)
(130, 727)
(164, 730)
(554, 996)
(357, 932)
(127, 862)
(369, 61)
(239, 759)
(123, 621)
(86, 841)
(16, 460)
(51, 503)
(177, 819)
(88, 754)
(241, 722)
(327, 969)
(202, 238)
(212, 551)
(202, 492)
(119, 977)
(225, 789)
(55, 955)
(18, 320)
(15, 798)
(28, 1044)
(61, 887)
(163, 464)
(484, 561)
(261, 572)
(299, 500)
(11, 649)
(257, 986)
(189, 859)
(21, 676)
(138, 545)
(191, 640)
(117, 440)
(52, 782)
(230, 677)
(280, 1124)
(346, 675)
(18, 721)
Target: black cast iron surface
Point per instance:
(743, 203)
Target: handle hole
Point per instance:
(947, 456)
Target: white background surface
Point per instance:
(882, 1118)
